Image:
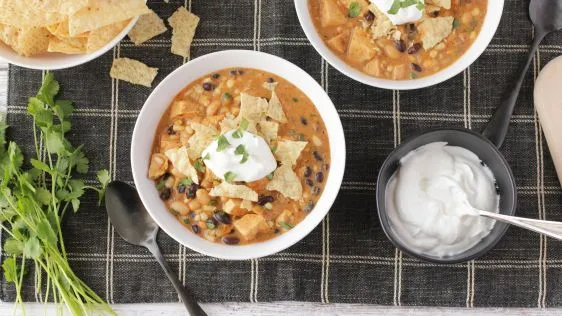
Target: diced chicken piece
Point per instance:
(373, 68)
(446, 4)
(233, 208)
(434, 30)
(250, 225)
(360, 48)
(184, 108)
(382, 26)
(339, 42)
(331, 14)
(158, 166)
(400, 72)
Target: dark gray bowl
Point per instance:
(489, 154)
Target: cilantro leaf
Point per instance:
(229, 176)
(41, 166)
(396, 5)
(3, 128)
(10, 270)
(32, 248)
(63, 109)
(49, 89)
(222, 143)
(75, 204)
(13, 247)
(46, 233)
(43, 196)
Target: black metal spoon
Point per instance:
(546, 17)
(134, 224)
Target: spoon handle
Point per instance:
(187, 297)
(549, 228)
(496, 129)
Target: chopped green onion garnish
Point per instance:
(241, 150)
(229, 176)
(207, 156)
(186, 182)
(222, 143)
(198, 165)
(287, 226)
(210, 225)
(354, 9)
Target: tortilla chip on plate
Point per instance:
(23, 13)
(67, 45)
(147, 27)
(100, 13)
(66, 7)
(26, 41)
(98, 38)
(180, 160)
(183, 25)
(289, 151)
(201, 139)
(235, 191)
(133, 71)
(286, 181)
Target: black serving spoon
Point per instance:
(546, 16)
(134, 224)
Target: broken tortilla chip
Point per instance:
(288, 151)
(275, 109)
(183, 25)
(66, 7)
(147, 27)
(201, 139)
(26, 41)
(67, 45)
(252, 108)
(286, 181)
(22, 13)
(100, 13)
(228, 123)
(235, 191)
(98, 38)
(268, 130)
(180, 160)
(434, 30)
(133, 71)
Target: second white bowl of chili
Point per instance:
(399, 57)
(191, 206)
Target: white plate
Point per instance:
(160, 99)
(491, 22)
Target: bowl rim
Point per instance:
(64, 61)
(491, 23)
(383, 218)
(155, 106)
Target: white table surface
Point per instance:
(277, 308)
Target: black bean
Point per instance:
(213, 221)
(270, 80)
(400, 45)
(414, 48)
(181, 188)
(316, 191)
(191, 190)
(234, 72)
(216, 76)
(208, 86)
(435, 14)
(309, 206)
(304, 121)
(320, 177)
(307, 172)
(195, 228)
(231, 240)
(276, 230)
(416, 67)
(309, 182)
(411, 28)
(170, 130)
(223, 217)
(317, 156)
(369, 16)
(264, 199)
(165, 194)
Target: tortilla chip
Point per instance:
(100, 37)
(252, 108)
(235, 191)
(275, 109)
(67, 45)
(270, 85)
(382, 26)
(201, 139)
(435, 30)
(133, 71)
(180, 160)
(147, 27)
(446, 4)
(228, 123)
(100, 13)
(288, 151)
(183, 25)
(22, 13)
(286, 181)
(268, 130)
(26, 41)
(66, 7)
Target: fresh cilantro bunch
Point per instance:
(35, 198)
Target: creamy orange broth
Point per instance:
(198, 210)
(402, 58)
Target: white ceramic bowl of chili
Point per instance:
(491, 22)
(159, 101)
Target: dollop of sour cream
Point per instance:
(430, 199)
(405, 15)
(259, 162)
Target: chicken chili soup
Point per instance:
(240, 156)
(398, 39)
